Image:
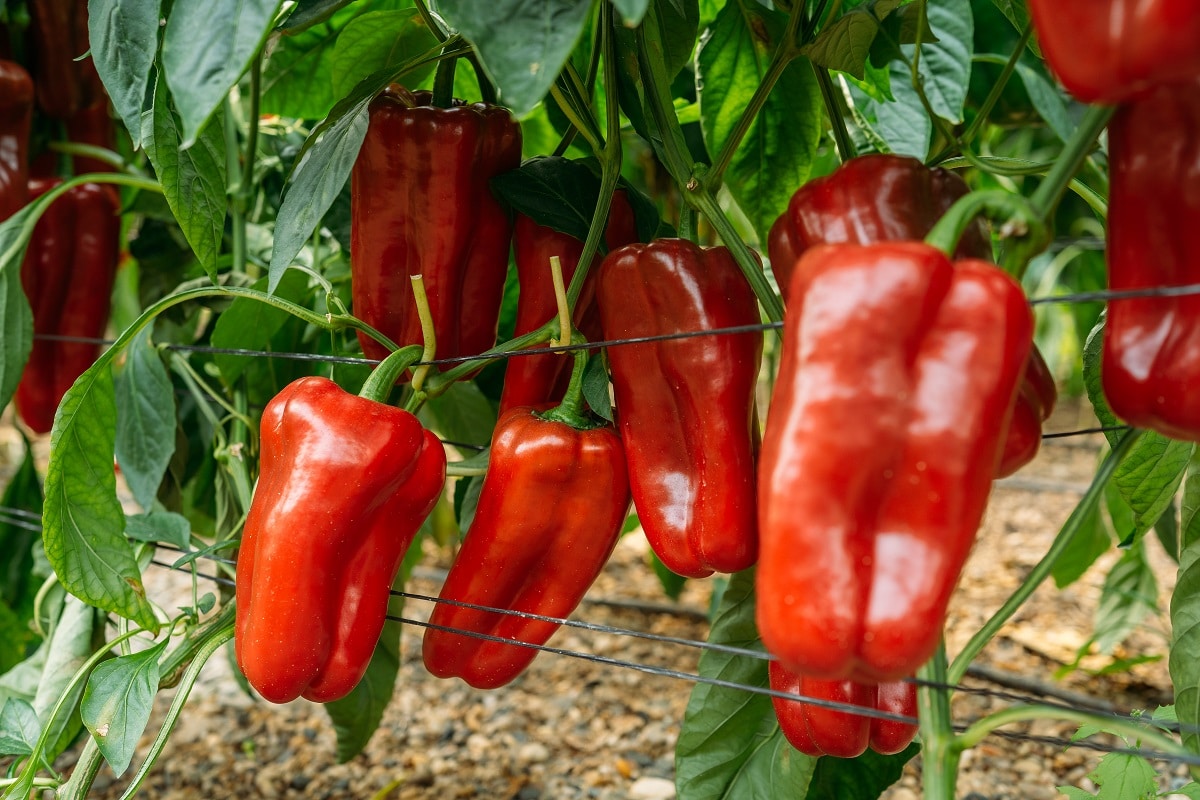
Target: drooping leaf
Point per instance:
(118, 700)
(124, 38)
(462, 414)
(69, 647)
(145, 438)
(1130, 593)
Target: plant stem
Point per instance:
(1038, 574)
(233, 166)
(1051, 190)
(841, 134)
(379, 385)
(84, 774)
(939, 755)
(1017, 217)
(443, 82)
(428, 333)
(998, 89)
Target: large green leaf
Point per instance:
(946, 63)
(1184, 660)
(145, 438)
(70, 645)
(117, 703)
(16, 317)
(193, 180)
(18, 537)
(207, 45)
(731, 745)
(82, 518)
(124, 39)
(776, 155)
(378, 40)
(523, 44)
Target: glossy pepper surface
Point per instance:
(899, 375)
(1109, 51)
(818, 731)
(420, 204)
(549, 515)
(344, 485)
(686, 407)
(68, 276)
(59, 31)
(884, 198)
(16, 117)
(533, 380)
(1151, 362)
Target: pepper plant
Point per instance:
(708, 172)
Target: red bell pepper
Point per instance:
(1151, 361)
(420, 204)
(549, 515)
(68, 276)
(885, 198)
(16, 117)
(60, 36)
(686, 407)
(1110, 51)
(345, 484)
(899, 374)
(533, 380)
(817, 731)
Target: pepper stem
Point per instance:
(443, 83)
(428, 334)
(564, 307)
(571, 411)
(383, 378)
(1016, 215)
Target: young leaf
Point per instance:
(124, 38)
(200, 70)
(732, 62)
(145, 438)
(19, 728)
(193, 180)
(160, 526)
(1130, 593)
(731, 744)
(82, 518)
(523, 45)
(117, 703)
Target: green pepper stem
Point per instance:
(383, 377)
(428, 332)
(560, 299)
(443, 82)
(1016, 215)
(1038, 574)
(571, 410)
(939, 757)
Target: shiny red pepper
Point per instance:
(345, 484)
(533, 380)
(884, 198)
(68, 276)
(421, 204)
(686, 407)
(60, 36)
(1151, 361)
(899, 374)
(16, 116)
(817, 731)
(1109, 51)
(550, 513)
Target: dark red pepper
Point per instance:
(16, 116)
(549, 515)
(886, 198)
(60, 36)
(421, 204)
(1109, 51)
(68, 276)
(345, 484)
(533, 380)
(1151, 362)
(686, 407)
(817, 731)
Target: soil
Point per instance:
(573, 728)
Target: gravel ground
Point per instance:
(570, 728)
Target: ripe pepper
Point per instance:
(420, 204)
(60, 35)
(16, 116)
(686, 407)
(884, 198)
(1109, 51)
(817, 731)
(345, 484)
(1151, 361)
(899, 374)
(550, 512)
(533, 380)
(68, 276)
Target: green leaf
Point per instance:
(306, 13)
(1189, 510)
(946, 63)
(19, 535)
(730, 744)
(1184, 661)
(124, 38)
(776, 155)
(1047, 101)
(193, 180)
(631, 11)
(117, 703)
(845, 44)
(595, 387)
(672, 584)
(145, 439)
(1167, 531)
(19, 728)
(1092, 541)
(356, 716)
(251, 324)
(903, 124)
(15, 636)
(1018, 14)
(201, 69)
(83, 521)
(16, 317)
(552, 191)
(462, 414)
(1125, 777)
(68, 649)
(379, 40)
(160, 526)
(1191, 791)
(1130, 593)
(522, 44)
(865, 776)
(297, 80)
(1075, 793)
